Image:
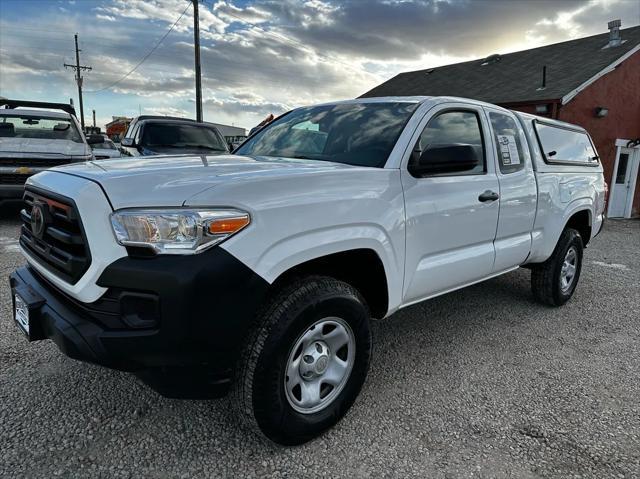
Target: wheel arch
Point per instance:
(581, 221)
(362, 268)
(577, 215)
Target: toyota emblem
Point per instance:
(37, 220)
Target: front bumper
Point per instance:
(205, 305)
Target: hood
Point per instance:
(147, 181)
(108, 152)
(45, 148)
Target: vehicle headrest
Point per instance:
(7, 129)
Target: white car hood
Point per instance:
(36, 147)
(106, 152)
(170, 180)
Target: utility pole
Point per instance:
(78, 68)
(94, 118)
(196, 44)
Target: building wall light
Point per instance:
(542, 108)
(601, 111)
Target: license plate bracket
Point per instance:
(26, 311)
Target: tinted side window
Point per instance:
(454, 128)
(137, 134)
(508, 144)
(561, 145)
(129, 132)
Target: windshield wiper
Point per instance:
(204, 147)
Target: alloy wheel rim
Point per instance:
(319, 365)
(569, 267)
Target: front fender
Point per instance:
(299, 248)
(299, 216)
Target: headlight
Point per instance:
(177, 231)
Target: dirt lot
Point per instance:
(481, 382)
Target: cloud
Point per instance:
(166, 111)
(264, 56)
(231, 13)
(164, 11)
(247, 103)
(587, 19)
(107, 18)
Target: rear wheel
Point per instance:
(305, 363)
(554, 281)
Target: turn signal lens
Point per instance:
(225, 226)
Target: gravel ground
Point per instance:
(481, 382)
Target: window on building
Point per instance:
(621, 174)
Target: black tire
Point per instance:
(546, 281)
(259, 393)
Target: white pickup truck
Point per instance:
(259, 272)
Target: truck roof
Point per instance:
(551, 121)
(34, 112)
(66, 107)
(411, 99)
(443, 99)
(160, 117)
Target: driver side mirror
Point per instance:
(128, 142)
(443, 159)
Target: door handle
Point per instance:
(488, 196)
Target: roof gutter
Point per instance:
(572, 94)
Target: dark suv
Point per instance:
(161, 135)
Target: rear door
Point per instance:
(622, 186)
(450, 219)
(518, 190)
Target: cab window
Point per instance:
(450, 144)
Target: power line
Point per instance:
(146, 56)
(78, 69)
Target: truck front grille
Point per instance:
(34, 162)
(52, 232)
(13, 179)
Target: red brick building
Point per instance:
(117, 127)
(593, 82)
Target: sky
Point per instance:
(264, 56)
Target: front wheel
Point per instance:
(554, 281)
(306, 361)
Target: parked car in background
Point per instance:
(106, 149)
(235, 141)
(34, 137)
(259, 272)
(158, 135)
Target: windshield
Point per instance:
(39, 127)
(356, 134)
(176, 135)
(106, 145)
